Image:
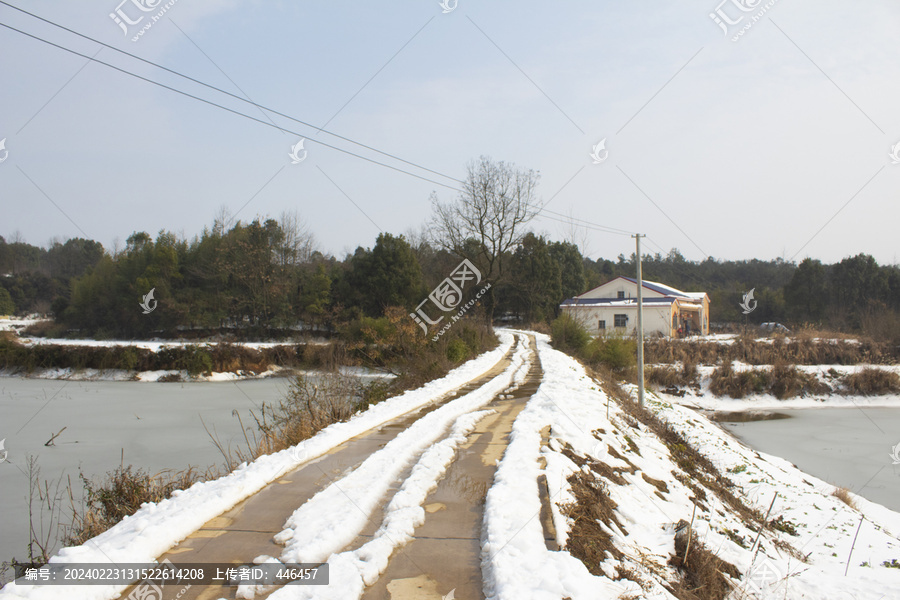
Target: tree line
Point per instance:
(268, 274)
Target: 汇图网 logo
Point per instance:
(745, 303)
(599, 152)
(298, 154)
(895, 153)
(131, 13)
(448, 296)
(145, 303)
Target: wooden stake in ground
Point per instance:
(765, 522)
(690, 534)
(853, 545)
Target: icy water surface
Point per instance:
(849, 447)
(157, 426)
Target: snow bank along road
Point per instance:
(441, 499)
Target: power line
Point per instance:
(590, 226)
(220, 90)
(559, 217)
(225, 108)
(591, 223)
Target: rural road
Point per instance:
(445, 552)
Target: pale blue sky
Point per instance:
(750, 148)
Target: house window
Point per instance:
(621, 295)
(621, 320)
(601, 324)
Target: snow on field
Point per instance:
(517, 564)
(17, 325)
(153, 345)
(727, 339)
(157, 527)
(182, 375)
(828, 374)
(144, 376)
(825, 525)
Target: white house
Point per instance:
(613, 307)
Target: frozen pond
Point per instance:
(849, 447)
(156, 425)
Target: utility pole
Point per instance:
(640, 320)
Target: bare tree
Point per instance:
(299, 243)
(489, 216)
(577, 235)
(221, 220)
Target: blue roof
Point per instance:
(658, 287)
(670, 295)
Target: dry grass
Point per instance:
(588, 540)
(703, 574)
(540, 327)
(781, 380)
(668, 377)
(47, 328)
(871, 381)
(121, 494)
(844, 495)
(804, 349)
(790, 382)
(310, 405)
(194, 359)
(700, 475)
(659, 484)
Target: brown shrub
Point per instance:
(870, 381)
(782, 381)
(725, 381)
(703, 574)
(540, 327)
(666, 376)
(844, 495)
(120, 495)
(789, 382)
(808, 348)
(48, 328)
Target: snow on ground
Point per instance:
(145, 376)
(727, 339)
(332, 518)
(358, 568)
(153, 345)
(828, 374)
(517, 564)
(18, 324)
(361, 567)
(825, 525)
(184, 376)
(650, 492)
(157, 527)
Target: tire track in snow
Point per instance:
(331, 520)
